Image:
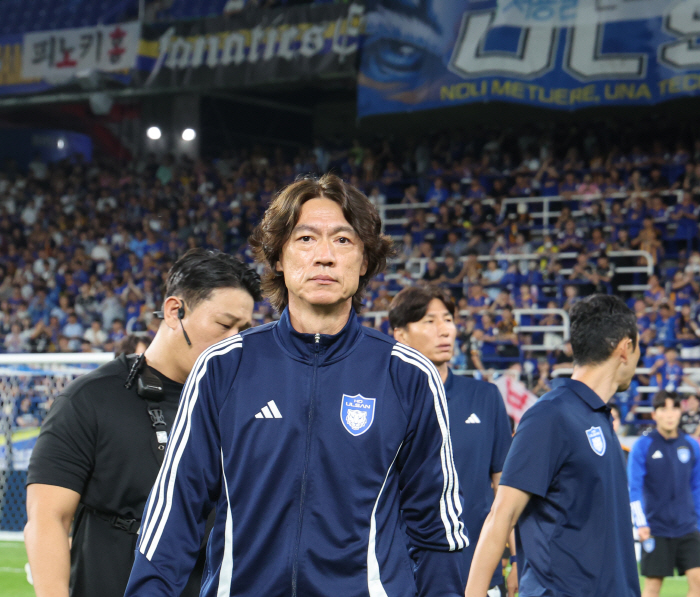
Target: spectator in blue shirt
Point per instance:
(423, 318)
(563, 481)
(667, 372)
(664, 483)
(665, 325)
(437, 194)
(645, 325)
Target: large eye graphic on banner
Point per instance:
(682, 21)
(533, 57)
(404, 43)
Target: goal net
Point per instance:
(29, 383)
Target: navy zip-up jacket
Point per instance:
(312, 448)
(664, 482)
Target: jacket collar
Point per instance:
(329, 348)
(584, 393)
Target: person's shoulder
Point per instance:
(223, 352)
(375, 335)
(408, 367)
(113, 372)
(260, 329)
(692, 442)
(643, 443)
(554, 405)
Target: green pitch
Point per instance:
(13, 578)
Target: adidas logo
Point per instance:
(269, 412)
(657, 454)
(472, 419)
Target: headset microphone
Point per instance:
(180, 316)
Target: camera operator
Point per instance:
(102, 445)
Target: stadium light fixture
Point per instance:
(188, 135)
(153, 133)
(60, 144)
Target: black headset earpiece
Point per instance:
(181, 311)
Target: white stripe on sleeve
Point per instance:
(226, 570)
(638, 514)
(450, 505)
(374, 583)
(157, 516)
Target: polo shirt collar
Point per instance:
(584, 393)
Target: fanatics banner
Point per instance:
(256, 46)
(564, 54)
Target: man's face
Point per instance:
(667, 417)
(225, 313)
(433, 335)
(323, 259)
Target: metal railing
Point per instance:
(417, 266)
(547, 214)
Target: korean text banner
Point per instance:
(564, 54)
(257, 46)
(59, 55)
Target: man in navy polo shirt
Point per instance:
(563, 481)
(664, 480)
(423, 318)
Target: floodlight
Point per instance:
(153, 133)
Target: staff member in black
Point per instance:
(102, 444)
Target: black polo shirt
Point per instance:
(575, 534)
(98, 440)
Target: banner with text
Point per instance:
(257, 46)
(44, 60)
(564, 54)
(60, 55)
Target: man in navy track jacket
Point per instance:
(664, 483)
(312, 436)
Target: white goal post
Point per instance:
(28, 385)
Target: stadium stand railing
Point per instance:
(541, 220)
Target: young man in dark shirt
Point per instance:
(102, 443)
(423, 318)
(563, 481)
(664, 482)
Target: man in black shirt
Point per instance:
(102, 444)
(690, 419)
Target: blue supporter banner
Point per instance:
(564, 54)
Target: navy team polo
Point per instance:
(575, 535)
(481, 437)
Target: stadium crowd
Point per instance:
(86, 246)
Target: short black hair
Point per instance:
(411, 303)
(199, 272)
(128, 344)
(598, 323)
(659, 399)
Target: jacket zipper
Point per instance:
(295, 563)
